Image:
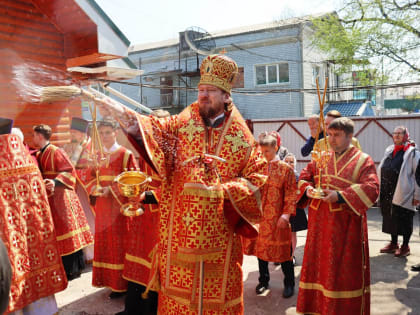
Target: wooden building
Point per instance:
(39, 41)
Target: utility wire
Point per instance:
(266, 91)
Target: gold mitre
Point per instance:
(219, 71)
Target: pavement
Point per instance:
(395, 289)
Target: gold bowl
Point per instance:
(132, 183)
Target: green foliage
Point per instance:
(372, 34)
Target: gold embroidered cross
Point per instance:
(191, 129)
(237, 141)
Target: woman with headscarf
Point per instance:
(299, 222)
(399, 192)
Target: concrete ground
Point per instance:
(395, 289)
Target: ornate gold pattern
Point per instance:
(191, 129)
(218, 70)
(237, 141)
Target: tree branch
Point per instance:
(394, 56)
(409, 5)
(385, 21)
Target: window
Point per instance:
(272, 74)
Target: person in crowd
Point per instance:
(78, 151)
(279, 203)
(30, 265)
(78, 148)
(331, 115)
(313, 123)
(138, 256)
(73, 233)
(335, 276)
(298, 222)
(111, 226)
(417, 266)
(399, 193)
(282, 151)
(211, 171)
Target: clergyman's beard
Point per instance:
(207, 113)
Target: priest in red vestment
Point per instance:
(70, 222)
(27, 230)
(335, 276)
(211, 172)
(111, 227)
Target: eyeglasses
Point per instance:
(398, 133)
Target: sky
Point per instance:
(145, 21)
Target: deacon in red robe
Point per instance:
(27, 230)
(70, 222)
(111, 226)
(335, 276)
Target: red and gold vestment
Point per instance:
(197, 192)
(111, 227)
(335, 277)
(144, 235)
(27, 228)
(70, 221)
(278, 198)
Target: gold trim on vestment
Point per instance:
(69, 176)
(359, 164)
(349, 204)
(114, 194)
(362, 195)
(342, 179)
(215, 306)
(73, 233)
(334, 294)
(138, 260)
(127, 155)
(106, 177)
(302, 182)
(348, 162)
(107, 286)
(19, 171)
(203, 190)
(99, 264)
(33, 273)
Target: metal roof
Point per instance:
(232, 31)
(351, 108)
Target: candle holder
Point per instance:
(321, 155)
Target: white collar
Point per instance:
(276, 158)
(114, 148)
(214, 119)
